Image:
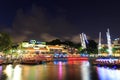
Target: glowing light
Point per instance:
(9, 71)
(86, 38)
(82, 38)
(99, 45)
(107, 60)
(85, 71)
(25, 44)
(0, 71)
(19, 51)
(108, 74)
(60, 63)
(55, 62)
(13, 74)
(109, 42)
(60, 70)
(17, 73)
(32, 41)
(36, 47)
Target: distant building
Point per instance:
(116, 47)
(34, 46)
(33, 43)
(116, 43)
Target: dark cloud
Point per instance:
(36, 24)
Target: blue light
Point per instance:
(105, 66)
(114, 67)
(98, 65)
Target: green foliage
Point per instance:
(91, 46)
(54, 42)
(104, 49)
(66, 42)
(115, 49)
(80, 49)
(5, 41)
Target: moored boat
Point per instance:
(1, 61)
(30, 61)
(109, 62)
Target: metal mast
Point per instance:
(99, 44)
(109, 42)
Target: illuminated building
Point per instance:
(116, 47)
(34, 46)
(33, 43)
(116, 43)
(53, 48)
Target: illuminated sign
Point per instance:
(37, 42)
(32, 41)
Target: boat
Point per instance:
(1, 61)
(107, 61)
(59, 56)
(78, 58)
(30, 61)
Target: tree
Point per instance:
(5, 41)
(54, 42)
(69, 43)
(92, 47)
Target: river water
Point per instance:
(57, 70)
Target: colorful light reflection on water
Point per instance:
(13, 73)
(85, 70)
(108, 73)
(60, 70)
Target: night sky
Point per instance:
(46, 20)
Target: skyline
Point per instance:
(47, 20)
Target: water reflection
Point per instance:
(0, 72)
(9, 72)
(58, 61)
(68, 70)
(108, 73)
(59, 70)
(17, 72)
(85, 71)
(13, 73)
(31, 72)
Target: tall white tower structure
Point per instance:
(109, 42)
(99, 44)
(83, 39)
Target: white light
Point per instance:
(85, 72)
(13, 74)
(109, 42)
(17, 73)
(108, 74)
(9, 71)
(19, 51)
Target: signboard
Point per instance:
(37, 42)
